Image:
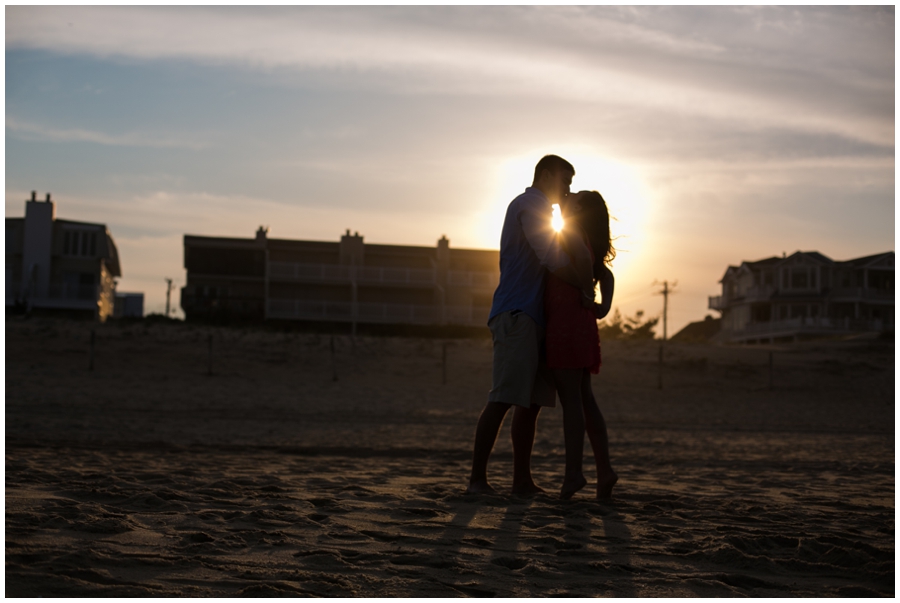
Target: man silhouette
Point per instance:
(528, 249)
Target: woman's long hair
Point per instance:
(594, 220)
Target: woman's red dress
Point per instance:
(572, 340)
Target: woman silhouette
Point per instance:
(573, 344)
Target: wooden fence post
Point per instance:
(333, 362)
(660, 365)
(91, 360)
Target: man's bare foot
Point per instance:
(529, 489)
(605, 485)
(480, 487)
(571, 486)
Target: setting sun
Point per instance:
(557, 220)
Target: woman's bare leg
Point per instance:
(596, 430)
(568, 386)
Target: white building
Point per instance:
(805, 294)
(59, 265)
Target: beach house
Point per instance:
(804, 295)
(59, 265)
(347, 281)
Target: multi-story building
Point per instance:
(347, 281)
(805, 294)
(60, 265)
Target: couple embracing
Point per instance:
(543, 324)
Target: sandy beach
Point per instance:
(147, 476)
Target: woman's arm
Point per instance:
(607, 286)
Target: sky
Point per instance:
(716, 134)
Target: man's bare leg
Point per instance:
(524, 424)
(596, 430)
(489, 424)
(568, 386)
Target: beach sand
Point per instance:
(149, 477)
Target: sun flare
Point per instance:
(620, 184)
(557, 220)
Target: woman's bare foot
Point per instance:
(480, 487)
(605, 484)
(527, 489)
(571, 486)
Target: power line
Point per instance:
(634, 297)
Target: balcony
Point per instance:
(331, 273)
(375, 275)
(292, 309)
(758, 293)
(861, 294)
(479, 280)
(59, 295)
(806, 326)
(716, 303)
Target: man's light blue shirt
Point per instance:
(528, 248)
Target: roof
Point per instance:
(814, 255)
(96, 225)
(699, 331)
(764, 263)
(869, 259)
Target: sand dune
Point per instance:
(149, 477)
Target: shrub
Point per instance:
(628, 328)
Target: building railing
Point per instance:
(758, 292)
(473, 279)
(809, 324)
(58, 295)
(347, 274)
(55, 291)
(377, 275)
(862, 294)
(67, 291)
(294, 309)
(412, 276)
(845, 294)
(320, 272)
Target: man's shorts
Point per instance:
(520, 372)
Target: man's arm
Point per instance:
(607, 286)
(544, 242)
(579, 273)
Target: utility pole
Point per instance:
(665, 293)
(168, 294)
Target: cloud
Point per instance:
(36, 132)
(805, 69)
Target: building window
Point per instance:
(80, 243)
(11, 240)
(799, 279)
(845, 279)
